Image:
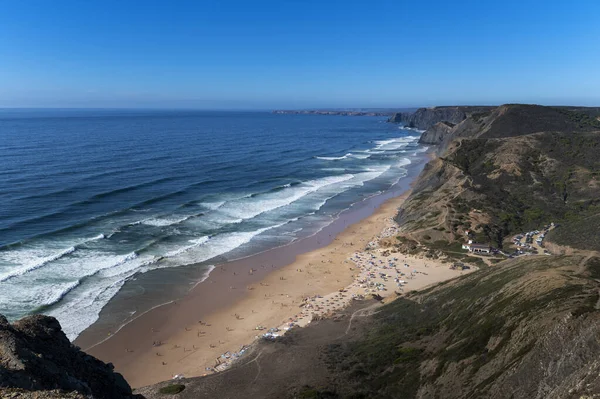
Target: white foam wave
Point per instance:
(162, 222)
(358, 180)
(372, 173)
(414, 129)
(29, 259)
(33, 264)
(213, 205)
(404, 162)
(361, 155)
(335, 158)
(82, 309)
(394, 144)
(195, 243)
(79, 311)
(58, 292)
(334, 169)
(250, 207)
(384, 142)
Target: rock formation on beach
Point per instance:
(37, 360)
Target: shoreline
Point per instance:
(272, 299)
(194, 275)
(215, 293)
(217, 316)
(187, 338)
(146, 291)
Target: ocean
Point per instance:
(92, 199)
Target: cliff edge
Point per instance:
(425, 118)
(436, 134)
(38, 361)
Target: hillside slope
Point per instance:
(518, 168)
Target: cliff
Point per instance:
(425, 118)
(518, 167)
(37, 360)
(436, 133)
(512, 120)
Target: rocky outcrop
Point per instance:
(36, 356)
(436, 133)
(424, 118)
(400, 117)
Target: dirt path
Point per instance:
(368, 311)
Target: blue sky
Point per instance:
(297, 54)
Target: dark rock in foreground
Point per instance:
(35, 356)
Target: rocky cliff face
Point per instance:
(37, 360)
(424, 118)
(435, 134)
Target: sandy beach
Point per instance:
(191, 337)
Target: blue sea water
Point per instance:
(91, 198)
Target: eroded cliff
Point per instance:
(37, 360)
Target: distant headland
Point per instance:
(346, 111)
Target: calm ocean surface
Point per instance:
(89, 199)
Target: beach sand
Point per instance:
(192, 336)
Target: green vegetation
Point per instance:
(171, 389)
(312, 393)
(466, 323)
(578, 231)
(479, 116)
(581, 119)
(550, 182)
(593, 267)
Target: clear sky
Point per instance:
(297, 54)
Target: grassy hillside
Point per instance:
(523, 167)
(496, 333)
